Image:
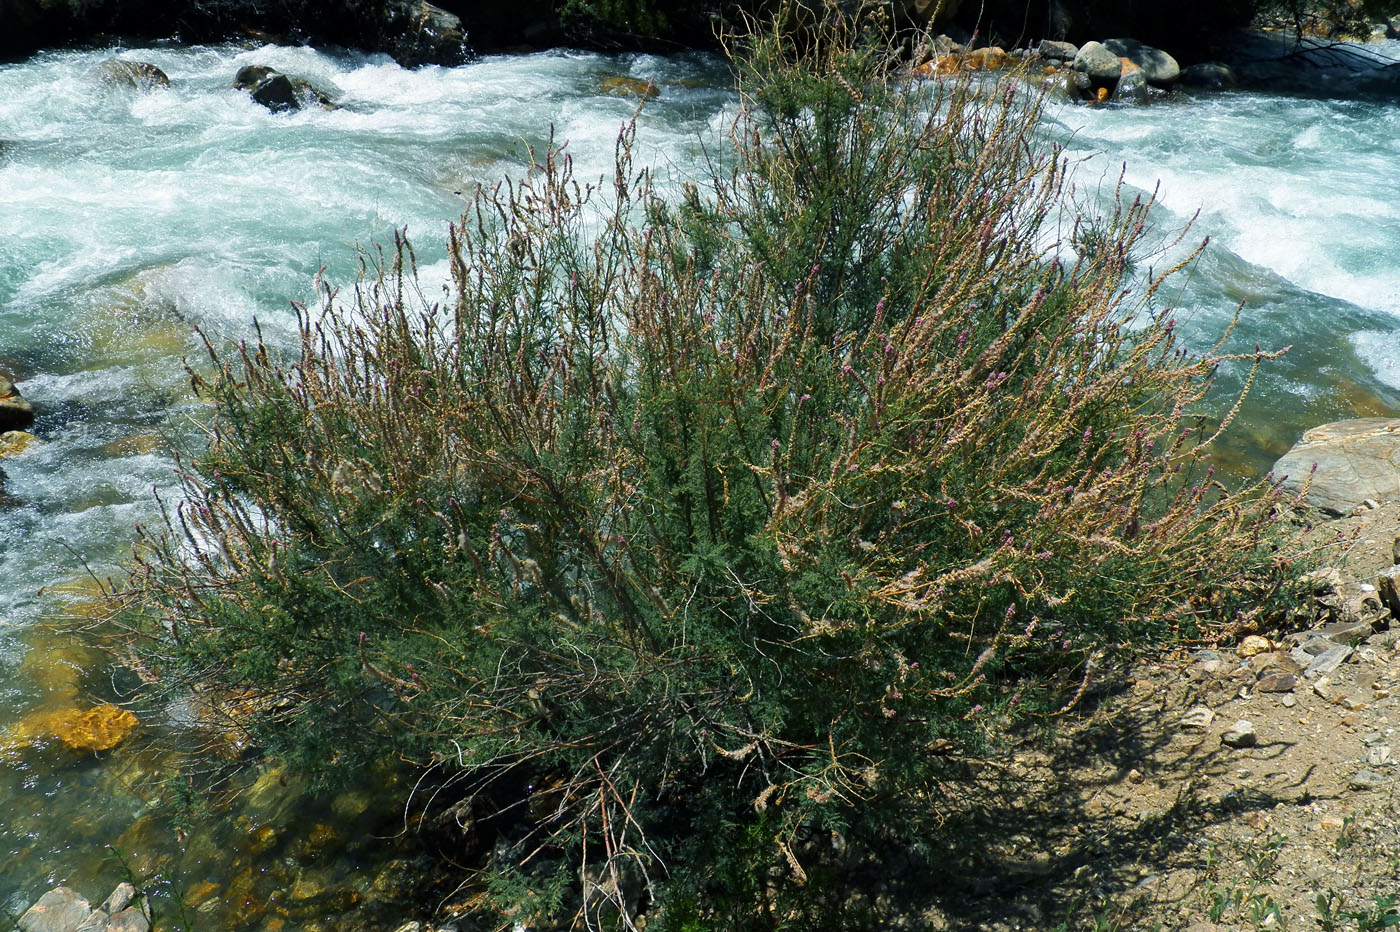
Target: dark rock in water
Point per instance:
(419, 33)
(1356, 461)
(1392, 28)
(16, 413)
(278, 92)
(1161, 69)
(138, 75)
(1098, 62)
(1211, 75)
(1132, 87)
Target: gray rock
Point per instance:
(1355, 460)
(59, 910)
(1392, 27)
(95, 922)
(1098, 62)
(1366, 780)
(1160, 69)
(1057, 51)
(136, 75)
(1209, 75)
(1380, 755)
(119, 899)
(1240, 735)
(1327, 661)
(130, 919)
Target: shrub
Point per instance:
(683, 535)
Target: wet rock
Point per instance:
(130, 919)
(119, 899)
(623, 86)
(100, 728)
(278, 92)
(1211, 75)
(13, 442)
(1240, 735)
(59, 910)
(136, 75)
(1355, 460)
(16, 413)
(991, 58)
(1159, 68)
(420, 33)
(1102, 65)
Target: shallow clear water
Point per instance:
(128, 219)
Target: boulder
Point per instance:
(1392, 27)
(1356, 461)
(16, 413)
(136, 75)
(1098, 62)
(278, 92)
(1161, 69)
(419, 33)
(1210, 75)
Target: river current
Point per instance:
(129, 219)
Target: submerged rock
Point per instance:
(1210, 75)
(1355, 461)
(623, 86)
(137, 75)
(13, 442)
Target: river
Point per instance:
(128, 219)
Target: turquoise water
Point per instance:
(127, 220)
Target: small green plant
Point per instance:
(1348, 834)
(1262, 858)
(1381, 914)
(1327, 910)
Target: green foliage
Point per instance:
(689, 545)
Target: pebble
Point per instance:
(1241, 735)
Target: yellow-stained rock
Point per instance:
(1129, 66)
(13, 442)
(100, 728)
(987, 59)
(622, 86)
(199, 893)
